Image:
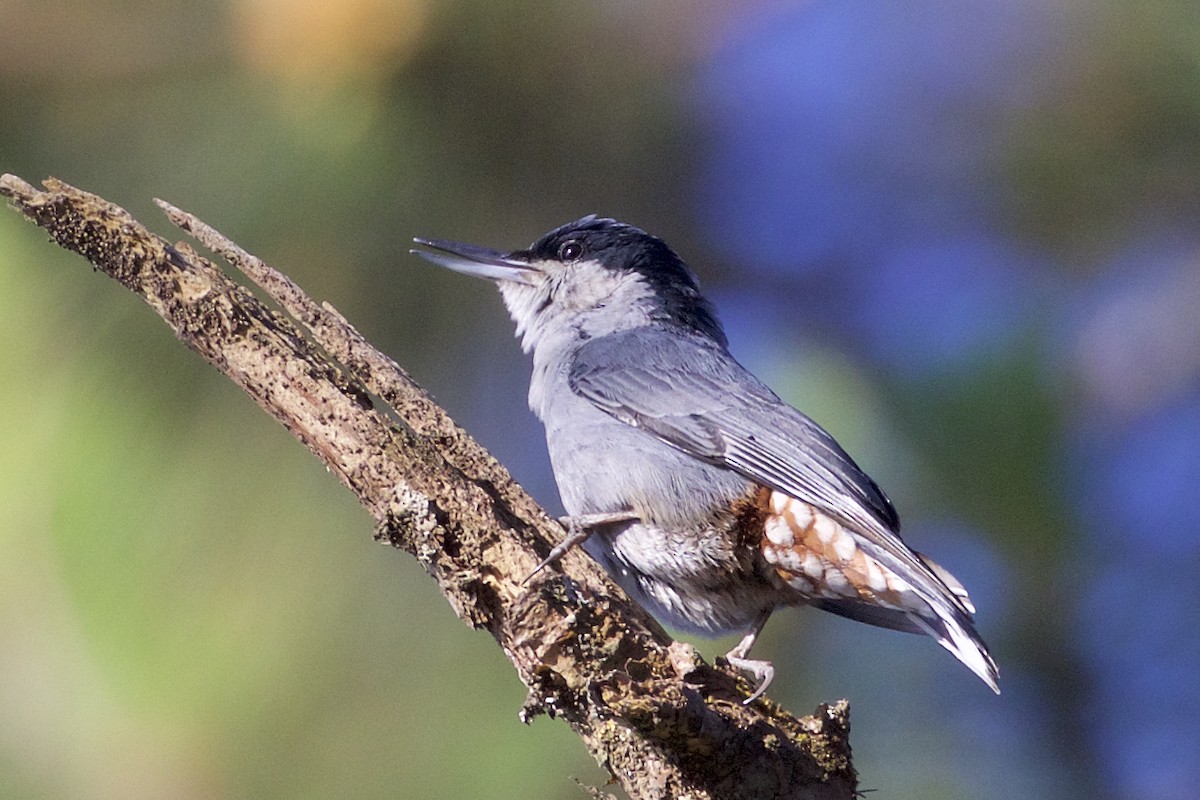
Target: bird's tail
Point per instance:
(947, 619)
(965, 644)
(954, 628)
(870, 575)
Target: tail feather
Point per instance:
(948, 626)
(954, 628)
(952, 583)
(964, 643)
(943, 610)
(870, 575)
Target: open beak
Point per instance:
(482, 262)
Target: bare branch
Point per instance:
(664, 723)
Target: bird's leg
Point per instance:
(579, 528)
(763, 671)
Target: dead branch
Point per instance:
(660, 720)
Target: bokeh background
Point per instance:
(961, 234)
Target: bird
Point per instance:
(711, 501)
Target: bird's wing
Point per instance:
(687, 391)
(690, 393)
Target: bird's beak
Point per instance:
(482, 262)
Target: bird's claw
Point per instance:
(763, 673)
(576, 534)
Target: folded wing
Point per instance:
(689, 392)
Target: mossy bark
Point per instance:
(660, 720)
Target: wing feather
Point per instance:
(714, 409)
(689, 392)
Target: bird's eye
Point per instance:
(570, 251)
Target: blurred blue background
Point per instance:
(961, 235)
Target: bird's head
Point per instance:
(588, 278)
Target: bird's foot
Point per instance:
(579, 528)
(762, 672)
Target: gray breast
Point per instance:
(683, 562)
(602, 464)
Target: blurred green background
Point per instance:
(961, 235)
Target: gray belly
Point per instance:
(685, 561)
(688, 580)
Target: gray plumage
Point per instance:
(651, 421)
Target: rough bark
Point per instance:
(660, 720)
